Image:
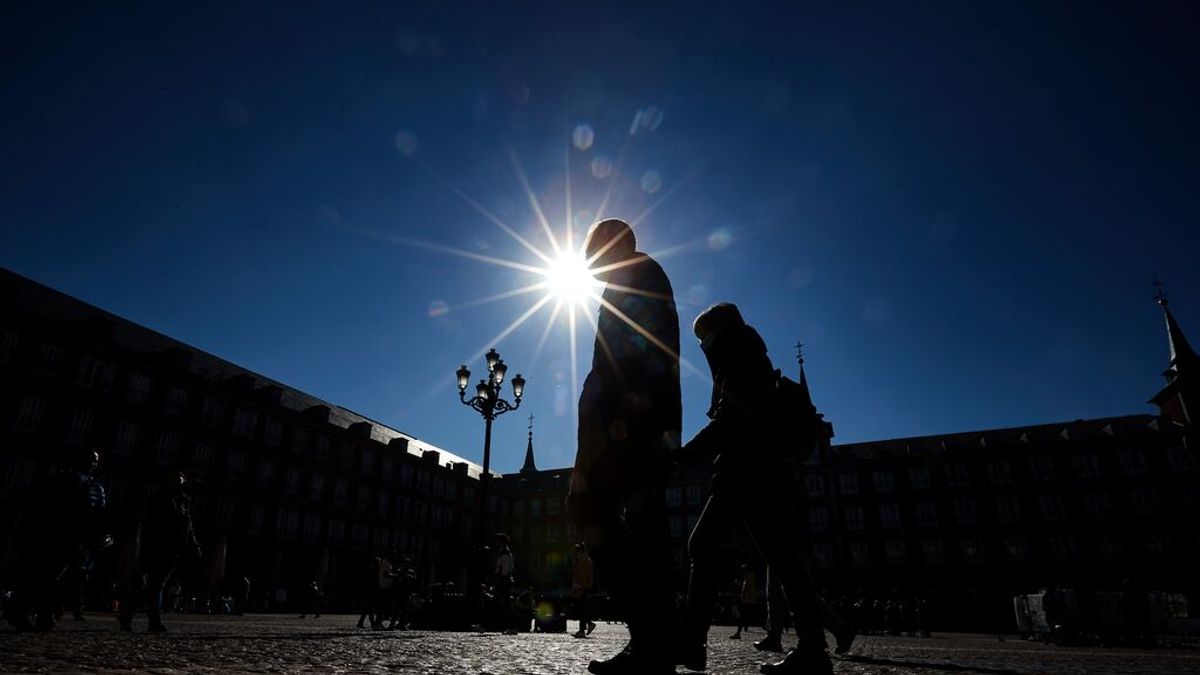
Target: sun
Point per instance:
(569, 279)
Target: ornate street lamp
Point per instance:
(487, 402)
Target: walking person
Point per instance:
(166, 534)
(630, 416)
(750, 486)
(581, 586)
(502, 584)
(314, 597)
(747, 602)
(368, 584)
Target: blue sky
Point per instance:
(958, 209)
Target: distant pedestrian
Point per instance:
(581, 585)
(502, 583)
(402, 589)
(385, 578)
(368, 588)
(747, 602)
(166, 534)
(314, 598)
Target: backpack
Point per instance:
(796, 417)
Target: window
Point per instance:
(926, 513)
(1106, 547)
(80, 427)
(853, 515)
(999, 472)
(848, 483)
(553, 506)
(1098, 505)
(883, 480)
(316, 486)
(965, 511)
(291, 483)
(815, 484)
(361, 533)
(313, 524)
(972, 550)
(1051, 507)
(235, 464)
(258, 514)
(1086, 465)
(176, 400)
(860, 554)
(168, 445)
(674, 496)
(362, 497)
(48, 355)
(300, 438)
(918, 478)
(519, 508)
(1133, 462)
(889, 515)
(95, 374)
(214, 410)
(29, 415)
(387, 470)
(895, 553)
(383, 502)
(1145, 502)
(137, 388)
(337, 531)
(957, 475)
(552, 534)
(1017, 549)
(1041, 469)
(823, 555)
(287, 522)
(322, 450)
(244, 422)
(693, 495)
(126, 440)
(266, 473)
(406, 475)
(8, 344)
(535, 507)
(1063, 549)
(1180, 459)
(934, 552)
(367, 468)
(676, 526)
(272, 432)
(818, 518)
(1008, 509)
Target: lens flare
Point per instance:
(569, 279)
(583, 137)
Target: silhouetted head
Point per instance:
(84, 460)
(609, 242)
(715, 320)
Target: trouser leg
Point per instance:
(649, 581)
(156, 582)
(777, 610)
(770, 535)
(704, 547)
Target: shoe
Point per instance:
(579, 633)
(156, 628)
(771, 643)
(807, 662)
(625, 663)
(735, 636)
(845, 640)
(694, 657)
(511, 631)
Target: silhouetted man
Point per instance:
(166, 533)
(57, 534)
(629, 423)
(750, 485)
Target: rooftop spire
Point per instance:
(1181, 352)
(803, 379)
(529, 466)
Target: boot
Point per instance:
(845, 640)
(797, 662)
(693, 656)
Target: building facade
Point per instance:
(289, 488)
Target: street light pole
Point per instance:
(487, 402)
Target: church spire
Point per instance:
(529, 466)
(1179, 399)
(807, 401)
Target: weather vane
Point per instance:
(531, 424)
(1159, 296)
(800, 352)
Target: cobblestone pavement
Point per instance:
(332, 644)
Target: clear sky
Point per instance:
(958, 209)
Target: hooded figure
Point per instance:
(630, 418)
(751, 486)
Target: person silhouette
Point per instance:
(750, 485)
(630, 417)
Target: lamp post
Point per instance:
(487, 402)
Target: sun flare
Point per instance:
(569, 279)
